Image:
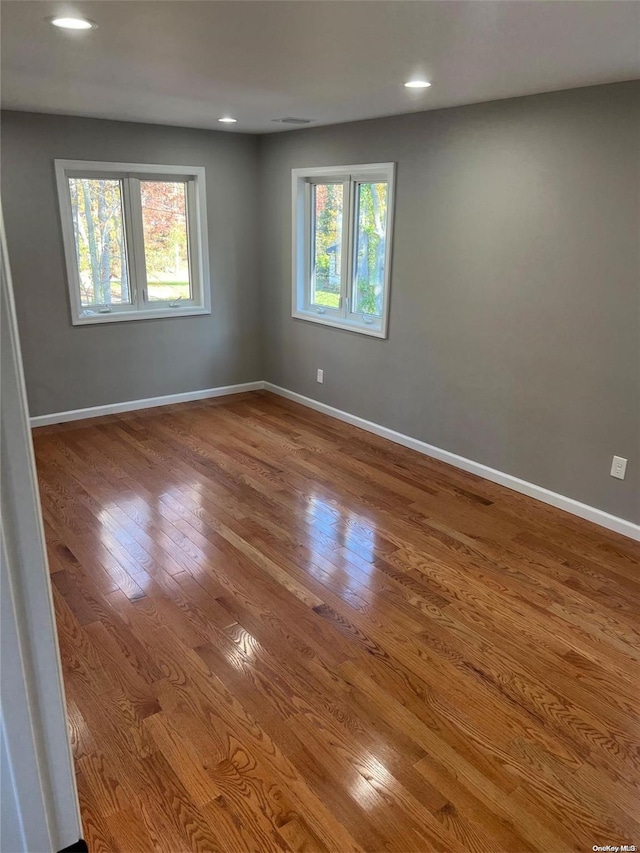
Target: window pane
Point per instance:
(101, 250)
(370, 248)
(326, 262)
(164, 222)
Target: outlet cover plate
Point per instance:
(618, 467)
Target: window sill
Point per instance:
(374, 330)
(123, 316)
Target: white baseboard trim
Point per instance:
(590, 513)
(149, 403)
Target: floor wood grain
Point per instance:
(281, 633)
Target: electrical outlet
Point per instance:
(618, 467)
(320, 376)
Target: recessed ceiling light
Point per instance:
(72, 23)
(417, 84)
(228, 120)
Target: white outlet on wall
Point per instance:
(320, 376)
(618, 467)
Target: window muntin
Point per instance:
(135, 240)
(342, 222)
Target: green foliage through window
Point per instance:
(96, 210)
(327, 244)
(164, 223)
(369, 246)
(369, 256)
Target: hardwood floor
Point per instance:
(281, 633)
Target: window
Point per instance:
(135, 240)
(342, 223)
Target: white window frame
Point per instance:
(302, 221)
(130, 174)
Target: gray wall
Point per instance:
(69, 367)
(514, 328)
(514, 334)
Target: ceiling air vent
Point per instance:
(292, 120)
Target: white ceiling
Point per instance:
(188, 63)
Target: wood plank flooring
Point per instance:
(281, 633)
